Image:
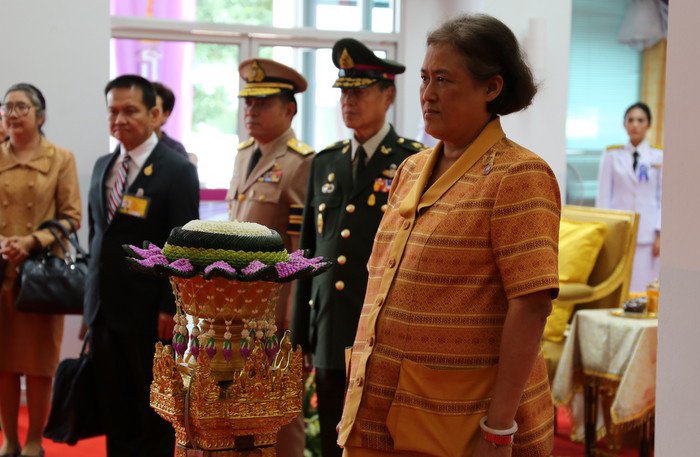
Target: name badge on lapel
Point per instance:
(133, 205)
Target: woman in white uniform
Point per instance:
(630, 179)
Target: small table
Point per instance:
(613, 356)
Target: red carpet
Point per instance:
(563, 447)
(96, 447)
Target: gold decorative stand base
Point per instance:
(268, 451)
(220, 407)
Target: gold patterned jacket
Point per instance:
(44, 188)
(445, 263)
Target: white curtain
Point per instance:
(644, 23)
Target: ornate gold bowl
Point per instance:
(226, 407)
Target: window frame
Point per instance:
(249, 39)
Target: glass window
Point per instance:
(352, 15)
(383, 16)
(204, 78)
(604, 79)
(250, 12)
(181, 10)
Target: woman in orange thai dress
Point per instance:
(446, 360)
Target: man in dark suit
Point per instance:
(139, 192)
(348, 189)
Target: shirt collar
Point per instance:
(372, 144)
(641, 147)
(41, 161)
(140, 153)
(274, 145)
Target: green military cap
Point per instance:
(359, 66)
(265, 77)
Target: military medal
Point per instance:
(390, 172)
(271, 176)
(372, 200)
(382, 184)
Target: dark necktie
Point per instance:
(635, 159)
(254, 161)
(360, 159)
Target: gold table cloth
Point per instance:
(619, 349)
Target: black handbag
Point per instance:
(50, 284)
(75, 413)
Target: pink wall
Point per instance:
(170, 62)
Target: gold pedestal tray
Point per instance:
(240, 414)
(181, 451)
(218, 300)
(220, 408)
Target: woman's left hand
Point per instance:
(486, 449)
(15, 249)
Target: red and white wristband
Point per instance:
(497, 437)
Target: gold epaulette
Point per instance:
(336, 145)
(615, 146)
(302, 148)
(246, 143)
(413, 146)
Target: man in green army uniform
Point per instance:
(269, 181)
(347, 195)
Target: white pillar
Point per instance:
(62, 47)
(678, 368)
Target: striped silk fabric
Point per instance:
(114, 198)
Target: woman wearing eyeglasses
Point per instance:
(38, 181)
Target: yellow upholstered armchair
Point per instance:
(596, 253)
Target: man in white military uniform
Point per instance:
(270, 179)
(630, 179)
